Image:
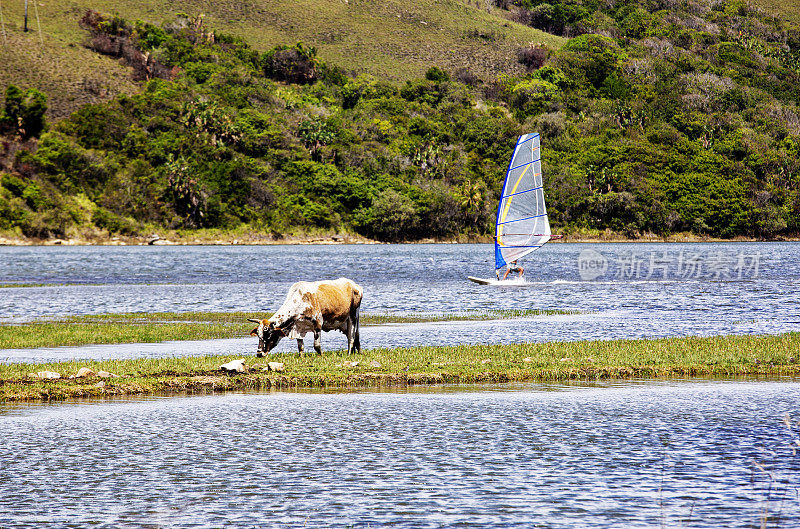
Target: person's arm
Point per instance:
(506, 274)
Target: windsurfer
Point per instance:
(513, 267)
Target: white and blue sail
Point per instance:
(522, 225)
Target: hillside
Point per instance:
(396, 39)
(784, 9)
(653, 121)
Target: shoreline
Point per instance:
(253, 239)
(665, 358)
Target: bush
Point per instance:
(24, 112)
(425, 91)
(592, 57)
(13, 184)
(293, 64)
(465, 76)
(112, 222)
(392, 217)
(11, 214)
(533, 57)
(531, 97)
(436, 75)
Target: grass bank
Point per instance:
(722, 356)
(166, 326)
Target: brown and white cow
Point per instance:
(313, 307)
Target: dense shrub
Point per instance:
(533, 57)
(294, 64)
(23, 112)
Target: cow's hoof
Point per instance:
(259, 355)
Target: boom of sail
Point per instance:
(522, 224)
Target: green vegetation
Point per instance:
(29, 285)
(682, 357)
(23, 113)
(653, 120)
(168, 326)
(667, 119)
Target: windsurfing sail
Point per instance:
(522, 224)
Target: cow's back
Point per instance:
(336, 300)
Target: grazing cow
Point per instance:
(313, 307)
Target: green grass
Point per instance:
(25, 285)
(394, 39)
(165, 326)
(672, 357)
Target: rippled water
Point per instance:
(716, 296)
(649, 454)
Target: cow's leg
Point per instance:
(318, 340)
(356, 335)
(300, 346)
(348, 331)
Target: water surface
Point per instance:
(649, 290)
(655, 454)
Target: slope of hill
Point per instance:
(786, 9)
(653, 120)
(393, 39)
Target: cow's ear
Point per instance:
(254, 332)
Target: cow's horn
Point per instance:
(254, 320)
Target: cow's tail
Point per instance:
(358, 294)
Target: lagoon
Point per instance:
(648, 290)
(690, 453)
(614, 454)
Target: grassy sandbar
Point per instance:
(722, 356)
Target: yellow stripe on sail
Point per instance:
(508, 205)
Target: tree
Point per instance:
(315, 133)
(187, 194)
(392, 217)
(23, 112)
(294, 64)
(437, 75)
(473, 201)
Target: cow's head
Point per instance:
(268, 335)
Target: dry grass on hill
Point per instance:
(394, 39)
(785, 9)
